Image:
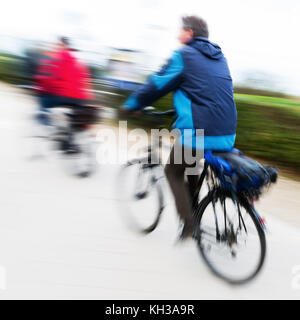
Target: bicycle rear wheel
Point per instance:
(231, 239)
(140, 196)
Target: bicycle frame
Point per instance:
(200, 183)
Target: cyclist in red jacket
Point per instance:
(61, 80)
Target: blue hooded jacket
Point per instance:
(203, 93)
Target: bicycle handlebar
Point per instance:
(170, 112)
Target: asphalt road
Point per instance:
(62, 237)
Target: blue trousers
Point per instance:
(48, 101)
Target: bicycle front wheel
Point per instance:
(140, 196)
(231, 238)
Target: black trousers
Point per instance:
(183, 191)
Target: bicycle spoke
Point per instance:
(230, 241)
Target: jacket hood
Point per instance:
(209, 49)
(65, 55)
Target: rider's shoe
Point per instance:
(72, 150)
(84, 174)
(69, 148)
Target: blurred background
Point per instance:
(60, 232)
(122, 46)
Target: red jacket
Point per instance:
(60, 73)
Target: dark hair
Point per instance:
(196, 24)
(65, 41)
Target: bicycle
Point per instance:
(225, 221)
(69, 136)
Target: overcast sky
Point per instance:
(255, 35)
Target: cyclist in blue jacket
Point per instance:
(199, 76)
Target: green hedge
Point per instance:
(12, 69)
(269, 132)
